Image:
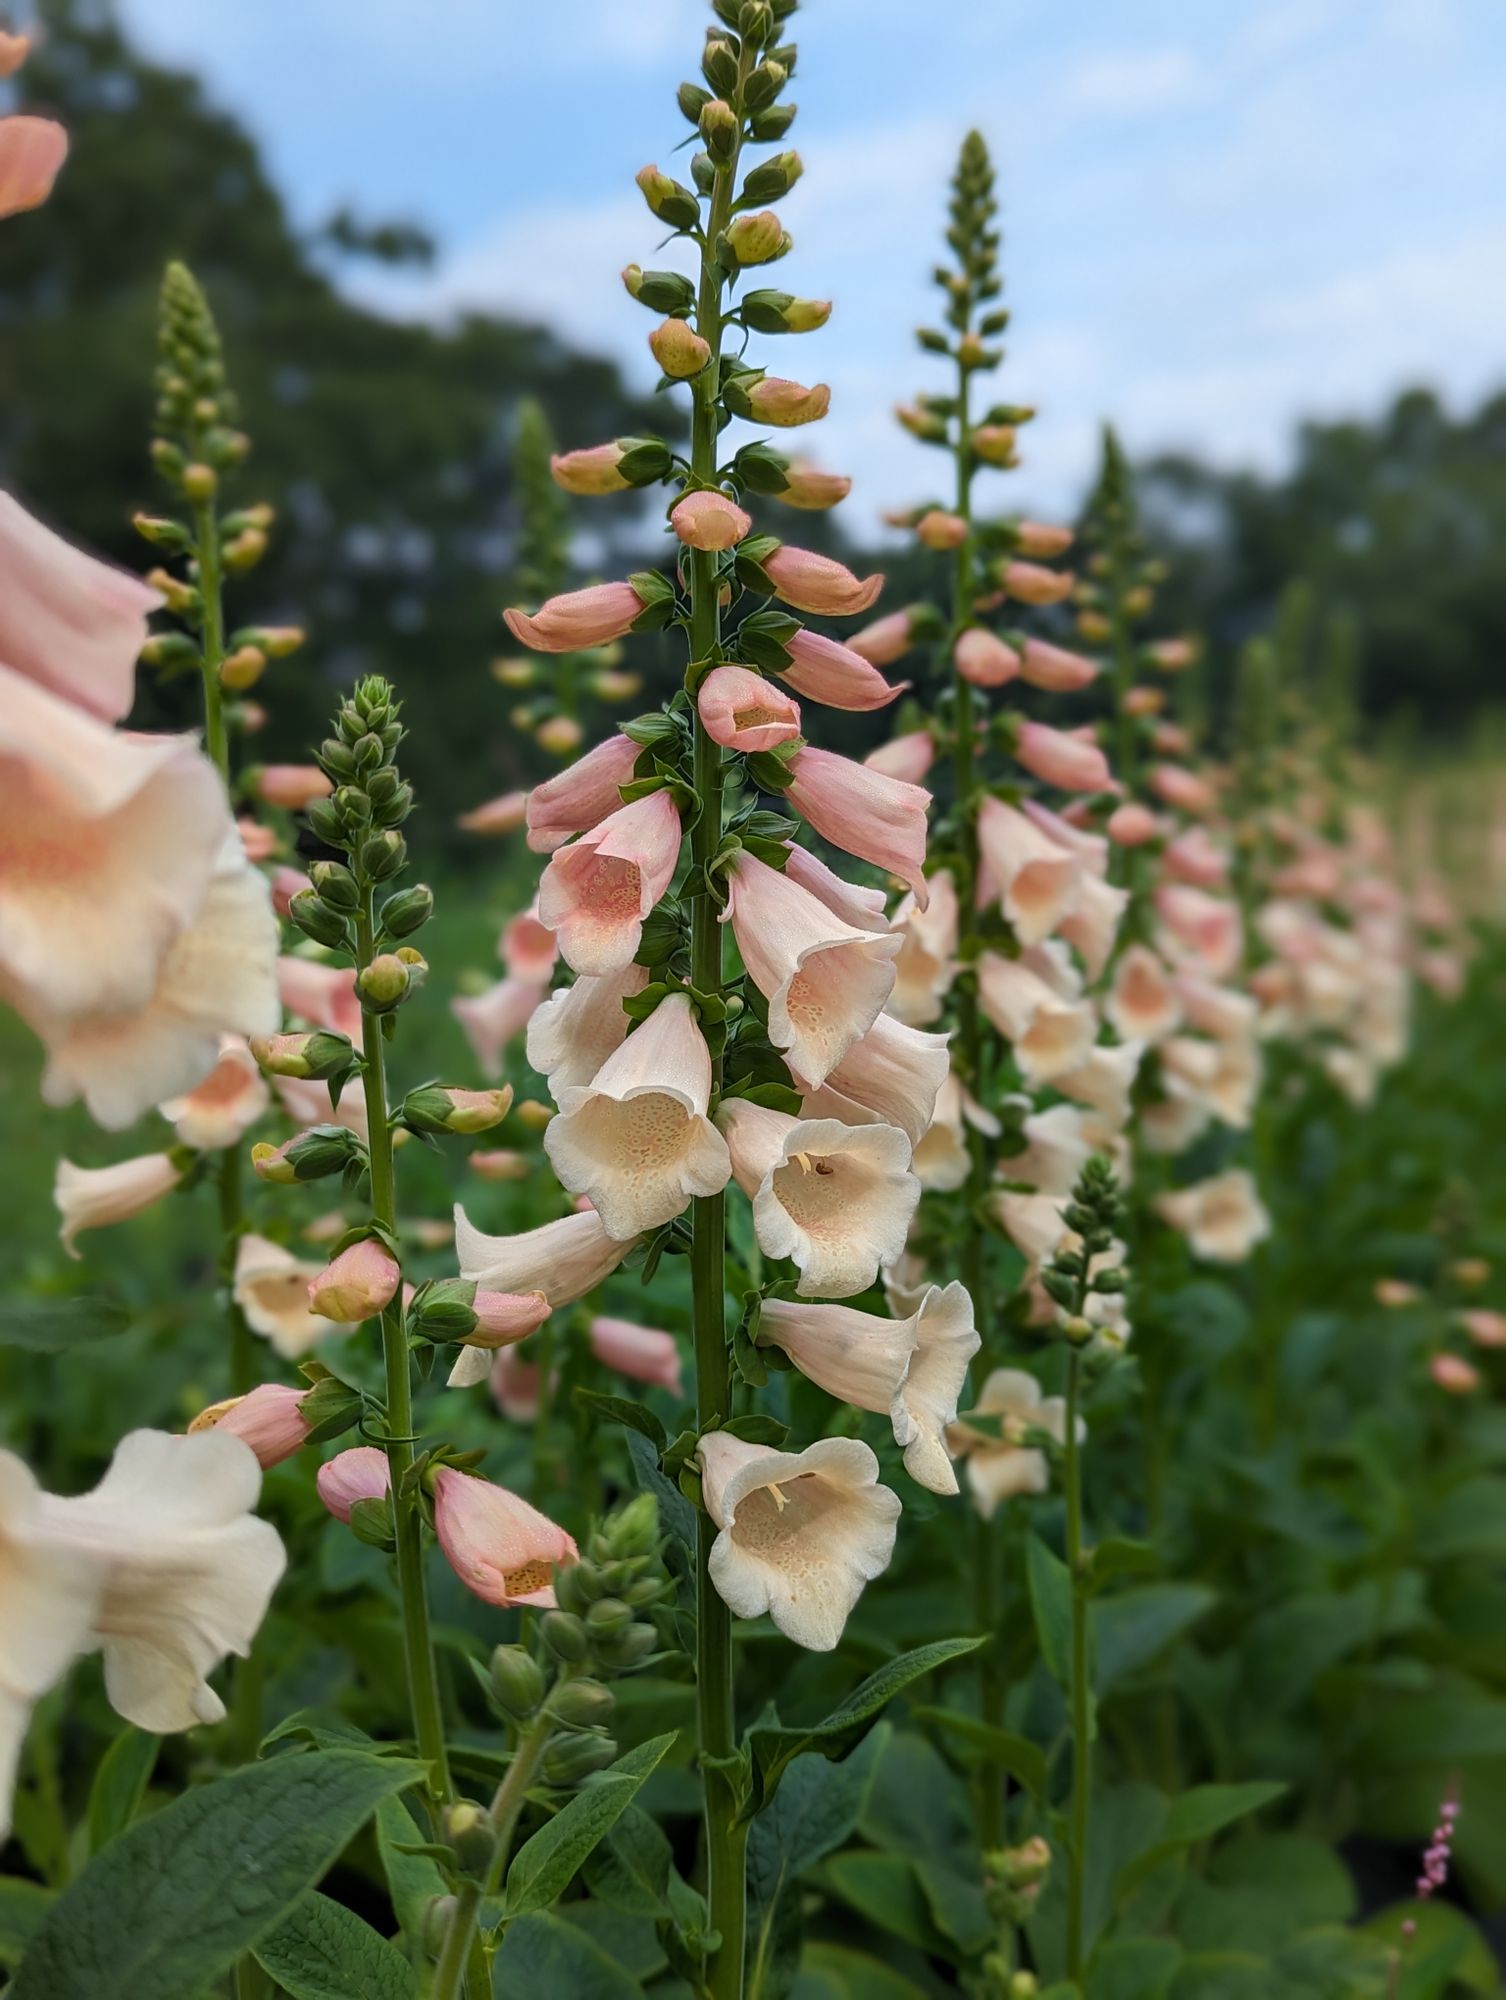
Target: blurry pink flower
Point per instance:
(1213, 1009)
(863, 908)
(1132, 825)
(362, 1473)
(983, 658)
(581, 796)
(785, 404)
(515, 1384)
(641, 1353)
(357, 1285)
(271, 1287)
(705, 520)
(937, 529)
(258, 842)
(1055, 669)
(1395, 1294)
(492, 1019)
(577, 619)
(93, 1197)
(32, 152)
(1037, 879)
(499, 1163)
(907, 757)
(1033, 585)
(14, 49)
(1176, 786)
(812, 490)
(927, 963)
(1451, 1372)
(291, 786)
(1039, 538)
(816, 583)
(323, 995)
(230, 1099)
(1222, 1218)
(501, 815)
(1091, 926)
(886, 640)
(1142, 1003)
(596, 892)
(1055, 756)
(501, 1549)
(1051, 1035)
(268, 1419)
(877, 818)
(1194, 856)
(307, 1102)
(287, 883)
(824, 670)
(528, 948)
(1207, 926)
(67, 621)
(742, 711)
(1485, 1328)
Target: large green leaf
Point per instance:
(1051, 1601)
(543, 1867)
(544, 1956)
(179, 1896)
(1131, 1629)
(1193, 1816)
(1017, 1755)
(1134, 1969)
(322, 1951)
(23, 1905)
(413, 1880)
(629, 1871)
(834, 1972)
(49, 1326)
(120, 1783)
(773, 1750)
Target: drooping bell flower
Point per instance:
(1195, 856)
(578, 618)
(825, 980)
(494, 1018)
(1104, 1080)
(641, 1353)
(942, 1159)
(1050, 1035)
(818, 583)
(906, 758)
(710, 521)
(596, 892)
(824, 670)
(564, 1259)
(1058, 758)
(1132, 825)
(73, 624)
(1057, 1148)
(503, 1551)
(637, 1139)
(32, 152)
(1206, 928)
(836, 1199)
(1055, 669)
(361, 1473)
(580, 1025)
(894, 1072)
(500, 815)
(1091, 926)
(216, 1112)
(1041, 538)
(863, 908)
(1003, 1467)
(1176, 786)
(983, 658)
(271, 1287)
(785, 404)
(887, 639)
(580, 797)
(811, 490)
(1223, 1218)
(742, 711)
(1033, 585)
(937, 529)
(1143, 1003)
(1038, 880)
(800, 1533)
(879, 819)
(269, 1419)
(528, 948)
(93, 1197)
(927, 964)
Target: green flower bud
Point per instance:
(628, 1648)
(470, 1834)
(437, 1108)
(517, 1682)
(772, 178)
(169, 649)
(408, 911)
(763, 86)
(383, 856)
(353, 805)
(719, 65)
(668, 200)
(444, 1309)
(163, 534)
(335, 885)
(371, 1523)
(317, 921)
(310, 1156)
(720, 128)
(768, 127)
(562, 1634)
(383, 984)
(692, 99)
(780, 312)
(318, 1053)
(660, 291)
(577, 1587)
(581, 1704)
(571, 1758)
(633, 1530)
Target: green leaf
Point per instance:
(629, 1871)
(1132, 1629)
(1023, 1760)
(834, 1972)
(885, 1892)
(543, 1955)
(48, 1326)
(622, 1410)
(1134, 1969)
(23, 1905)
(543, 1867)
(773, 1750)
(1051, 1601)
(323, 1951)
(1121, 1557)
(120, 1783)
(182, 1894)
(1193, 1816)
(675, 1511)
(413, 1880)
(1437, 1926)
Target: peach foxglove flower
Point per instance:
(1484, 1327)
(936, 529)
(836, 1199)
(1055, 669)
(678, 349)
(1033, 585)
(983, 658)
(286, 884)
(927, 963)
(188, 1570)
(1041, 538)
(824, 670)
(1038, 880)
(942, 1160)
(1003, 1467)
(500, 1163)
(1396, 1293)
(786, 405)
(528, 948)
(323, 995)
(515, 1385)
(863, 908)
(817, 583)
(886, 640)
(269, 1419)
(93, 1197)
(502, 1318)
(500, 815)
(596, 892)
(357, 1285)
(503, 1550)
(564, 1259)
(1455, 1375)
(75, 625)
(641, 1353)
(1176, 786)
(1215, 1010)
(910, 1370)
(637, 1139)
(742, 711)
(32, 152)
(825, 980)
(907, 757)
(579, 1026)
(1092, 924)
(800, 1533)
(894, 1073)
(494, 1018)
(271, 1287)
(1143, 1002)
(1056, 757)
(1202, 928)
(877, 818)
(1050, 1035)
(291, 786)
(362, 1473)
(579, 618)
(1103, 1080)
(1196, 857)
(216, 1112)
(1223, 1218)
(580, 797)
(14, 49)
(1132, 825)
(709, 521)
(1057, 1148)
(811, 490)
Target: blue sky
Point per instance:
(1218, 219)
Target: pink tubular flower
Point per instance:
(641, 1353)
(268, 1419)
(785, 404)
(1184, 789)
(74, 624)
(1206, 926)
(528, 948)
(816, 583)
(742, 711)
(907, 757)
(14, 49)
(515, 1384)
(983, 658)
(286, 884)
(1055, 669)
(230, 1099)
(258, 842)
(502, 815)
(291, 786)
(1057, 758)
(579, 618)
(863, 908)
(492, 1019)
(503, 1550)
(1484, 1327)
(707, 520)
(92, 1197)
(1195, 857)
(1033, 585)
(503, 1318)
(886, 640)
(579, 1026)
(877, 818)
(596, 892)
(580, 796)
(1173, 655)
(357, 1285)
(1455, 1375)
(894, 1072)
(1038, 538)
(824, 670)
(32, 152)
(939, 530)
(1037, 879)
(811, 490)
(1132, 825)
(358, 1474)
(323, 995)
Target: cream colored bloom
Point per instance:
(800, 1532)
(1050, 1035)
(1104, 1079)
(1091, 926)
(1143, 1003)
(927, 962)
(893, 1073)
(1057, 1148)
(563, 1259)
(1223, 1218)
(93, 1197)
(216, 1112)
(942, 1160)
(837, 1199)
(910, 1370)
(637, 1139)
(1033, 1223)
(580, 1025)
(1002, 1468)
(271, 1287)
(1037, 880)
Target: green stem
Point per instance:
(1081, 1717)
(457, 1952)
(418, 1644)
(232, 1219)
(212, 633)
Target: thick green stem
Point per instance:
(1082, 1772)
(457, 1954)
(418, 1644)
(212, 633)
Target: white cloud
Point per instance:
(1135, 83)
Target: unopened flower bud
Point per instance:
(500, 1164)
(923, 424)
(383, 984)
(719, 64)
(691, 99)
(409, 910)
(563, 1635)
(937, 529)
(994, 444)
(533, 1113)
(383, 856)
(660, 291)
(242, 669)
(770, 399)
(668, 200)
(309, 1156)
(438, 1108)
(245, 551)
(559, 735)
(782, 312)
(1094, 627)
(628, 1648)
(317, 1053)
(757, 239)
(518, 1683)
(1033, 585)
(317, 920)
(720, 127)
(678, 349)
(633, 1530)
(610, 468)
(200, 482)
(772, 178)
(291, 786)
(470, 1834)
(570, 1759)
(582, 1703)
(357, 1285)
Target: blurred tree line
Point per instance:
(386, 447)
